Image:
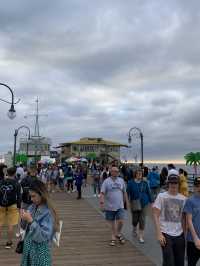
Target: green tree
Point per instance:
(193, 158)
(21, 158)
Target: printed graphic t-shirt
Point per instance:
(114, 193)
(171, 208)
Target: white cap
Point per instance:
(173, 172)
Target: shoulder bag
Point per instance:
(136, 204)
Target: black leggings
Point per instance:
(193, 254)
(70, 184)
(139, 217)
(174, 250)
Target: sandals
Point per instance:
(112, 243)
(121, 239)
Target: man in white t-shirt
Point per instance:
(170, 223)
(112, 198)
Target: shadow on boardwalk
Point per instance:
(84, 239)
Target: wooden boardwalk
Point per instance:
(84, 240)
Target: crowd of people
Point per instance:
(24, 196)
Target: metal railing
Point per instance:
(190, 181)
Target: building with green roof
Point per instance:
(92, 148)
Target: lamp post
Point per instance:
(15, 141)
(142, 141)
(11, 111)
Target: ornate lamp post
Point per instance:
(11, 111)
(142, 141)
(15, 141)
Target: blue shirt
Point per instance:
(78, 178)
(139, 190)
(192, 206)
(153, 179)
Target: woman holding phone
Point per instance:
(42, 223)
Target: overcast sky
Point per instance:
(102, 67)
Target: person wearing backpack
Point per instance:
(69, 178)
(25, 185)
(26, 201)
(10, 203)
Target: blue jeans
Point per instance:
(115, 215)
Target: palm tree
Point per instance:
(193, 158)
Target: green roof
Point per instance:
(94, 141)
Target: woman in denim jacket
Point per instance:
(42, 223)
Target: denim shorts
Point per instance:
(115, 215)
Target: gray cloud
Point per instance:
(101, 68)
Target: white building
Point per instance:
(36, 146)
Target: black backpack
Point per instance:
(25, 185)
(7, 193)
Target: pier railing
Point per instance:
(190, 180)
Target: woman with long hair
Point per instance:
(139, 195)
(42, 223)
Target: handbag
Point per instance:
(20, 243)
(19, 247)
(136, 205)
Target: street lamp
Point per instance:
(11, 111)
(15, 141)
(142, 141)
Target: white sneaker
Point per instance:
(141, 240)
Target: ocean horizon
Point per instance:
(188, 168)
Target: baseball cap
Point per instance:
(173, 178)
(197, 181)
(173, 172)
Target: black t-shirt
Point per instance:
(10, 193)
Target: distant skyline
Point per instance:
(100, 68)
